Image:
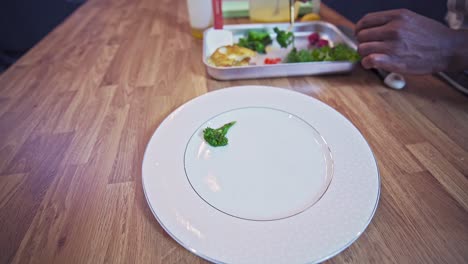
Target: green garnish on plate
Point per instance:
(217, 137)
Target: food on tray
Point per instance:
(314, 48)
(283, 37)
(322, 43)
(256, 40)
(217, 137)
(228, 56)
(315, 40)
(339, 53)
(272, 60)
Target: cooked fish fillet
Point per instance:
(228, 56)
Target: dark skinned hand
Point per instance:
(405, 42)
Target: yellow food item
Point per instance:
(311, 17)
(228, 56)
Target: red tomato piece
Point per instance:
(313, 38)
(322, 43)
(272, 61)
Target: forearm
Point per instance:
(458, 58)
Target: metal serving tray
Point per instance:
(301, 32)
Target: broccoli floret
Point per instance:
(256, 40)
(217, 137)
(283, 37)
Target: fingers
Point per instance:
(365, 49)
(371, 61)
(378, 55)
(382, 61)
(376, 19)
(375, 34)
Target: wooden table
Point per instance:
(77, 111)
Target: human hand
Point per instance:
(404, 42)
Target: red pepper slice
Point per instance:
(272, 60)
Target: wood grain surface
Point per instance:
(77, 111)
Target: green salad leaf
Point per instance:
(299, 56)
(217, 137)
(339, 53)
(345, 53)
(284, 38)
(256, 40)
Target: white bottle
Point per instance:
(201, 16)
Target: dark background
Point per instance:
(355, 9)
(24, 22)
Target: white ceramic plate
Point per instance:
(297, 182)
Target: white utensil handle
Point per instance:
(393, 80)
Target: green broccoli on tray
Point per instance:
(256, 40)
(283, 37)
